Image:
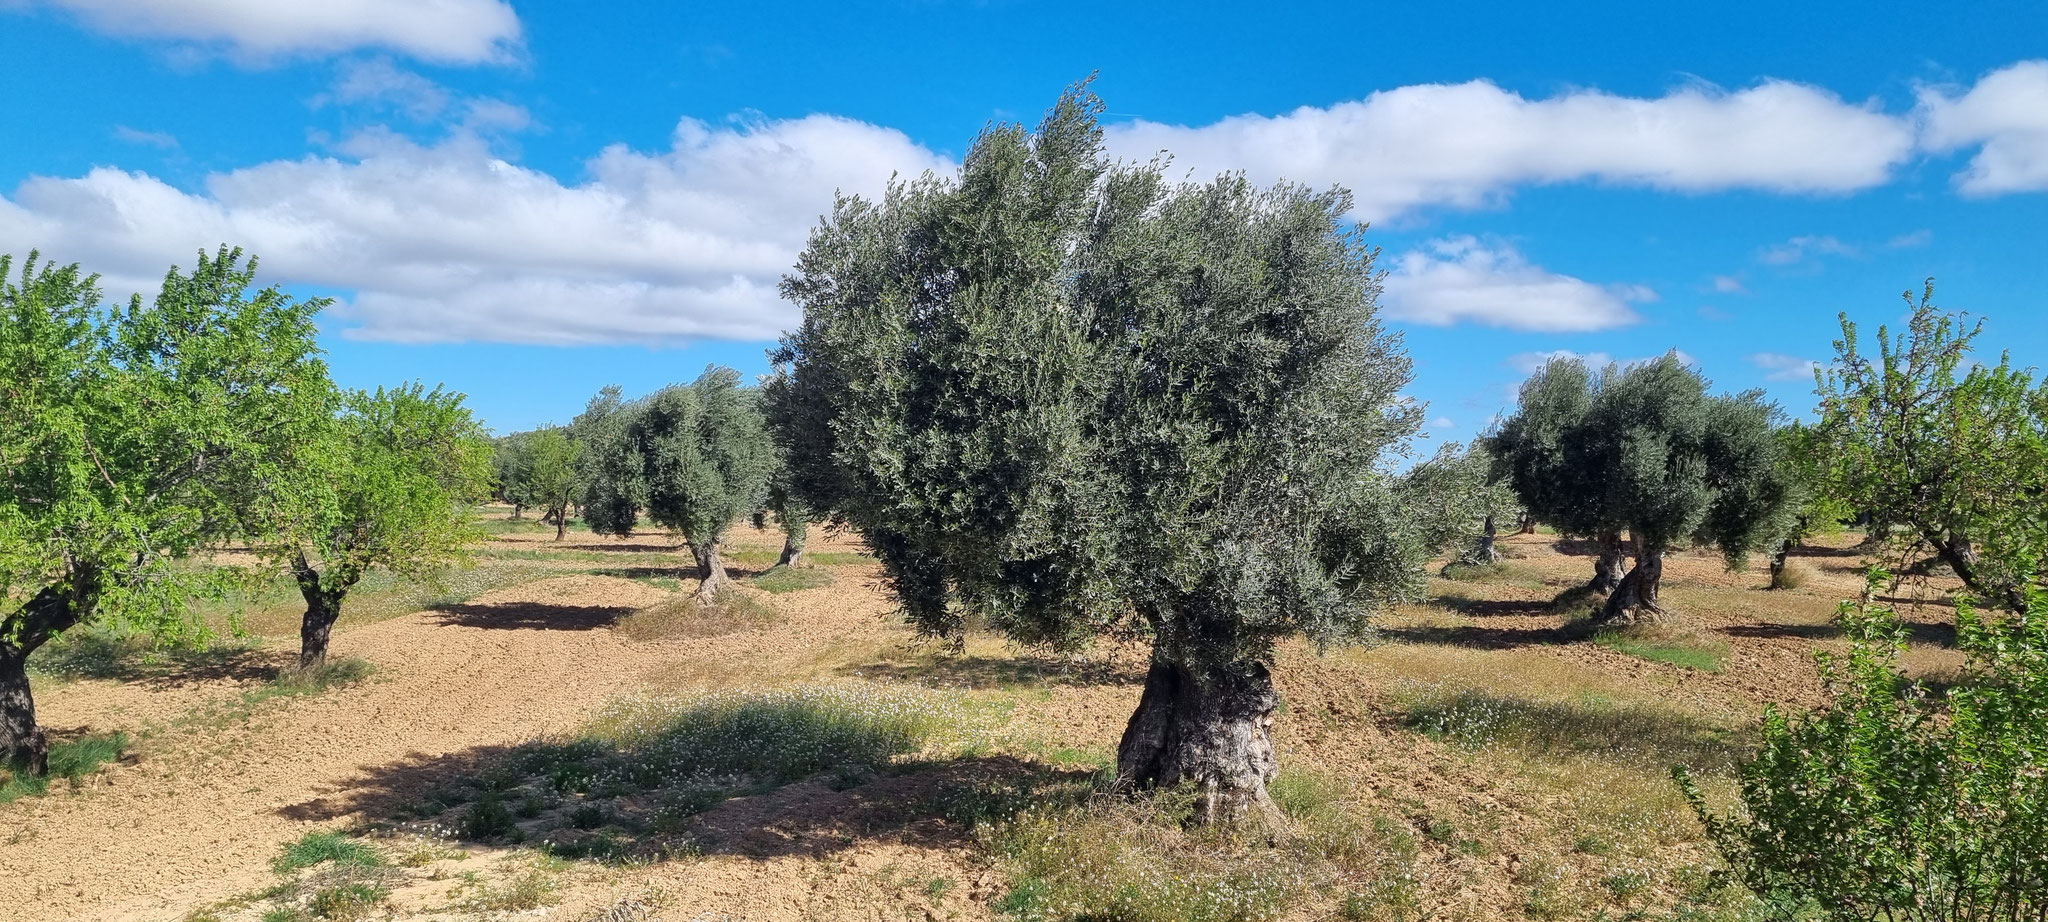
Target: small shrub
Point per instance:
(587, 816)
(1892, 803)
(486, 818)
(531, 887)
(346, 902)
(322, 847)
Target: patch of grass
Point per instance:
(70, 760)
(335, 673)
(113, 652)
(1634, 734)
(1664, 644)
(1461, 571)
(793, 579)
(346, 902)
(535, 885)
(316, 848)
(1795, 575)
(766, 557)
(733, 613)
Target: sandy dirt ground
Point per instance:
(214, 792)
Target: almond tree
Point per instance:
(129, 438)
(1079, 400)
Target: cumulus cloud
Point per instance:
(1527, 362)
(2005, 116)
(443, 31)
(1463, 279)
(1780, 367)
(449, 243)
(1469, 144)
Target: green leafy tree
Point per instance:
(1466, 498)
(390, 483)
(1682, 467)
(695, 456)
(1897, 803)
(509, 463)
(128, 438)
(1076, 399)
(1953, 454)
(546, 474)
(1815, 508)
(791, 514)
(1544, 463)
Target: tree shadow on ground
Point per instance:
(1478, 637)
(94, 657)
(608, 548)
(1917, 632)
(1492, 608)
(970, 671)
(500, 795)
(687, 573)
(530, 616)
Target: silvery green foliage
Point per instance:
(1546, 467)
(1454, 493)
(694, 457)
(1075, 398)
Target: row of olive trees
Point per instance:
(133, 436)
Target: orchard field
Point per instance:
(1479, 760)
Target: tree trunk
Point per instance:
(713, 568)
(516, 508)
(1608, 570)
(1206, 726)
(561, 523)
(1636, 598)
(57, 608)
(1528, 526)
(1486, 553)
(1961, 556)
(794, 536)
(760, 519)
(1779, 561)
(323, 608)
(26, 748)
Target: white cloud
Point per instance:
(159, 139)
(1780, 367)
(443, 31)
(1527, 362)
(449, 243)
(1469, 144)
(1729, 285)
(1442, 422)
(379, 85)
(1461, 279)
(1918, 238)
(2006, 117)
(1799, 249)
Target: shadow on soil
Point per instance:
(532, 795)
(530, 616)
(971, 672)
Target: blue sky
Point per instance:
(529, 201)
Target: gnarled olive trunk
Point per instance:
(713, 568)
(795, 532)
(1635, 600)
(1528, 526)
(1779, 561)
(1608, 569)
(1210, 726)
(323, 608)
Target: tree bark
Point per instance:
(1635, 600)
(1779, 561)
(1608, 569)
(1206, 726)
(1961, 556)
(1528, 526)
(55, 609)
(561, 523)
(713, 568)
(26, 747)
(323, 608)
(1486, 553)
(795, 535)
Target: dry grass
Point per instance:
(684, 617)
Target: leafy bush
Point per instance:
(1897, 803)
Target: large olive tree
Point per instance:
(128, 438)
(1541, 463)
(1076, 399)
(696, 457)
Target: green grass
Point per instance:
(766, 557)
(337, 673)
(109, 651)
(793, 579)
(316, 848)
(1591, 725)
(70, 760)
(1692, 653)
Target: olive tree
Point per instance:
(1681, 467)
(390, 483)
(1076, 399)
(1463, 499)
(696, 457)
(1952, 452)
(128, 438)
(1542, 464)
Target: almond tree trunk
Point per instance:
(1210, 726)
(323, 608)
(24, 747)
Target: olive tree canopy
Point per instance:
(1076, 399)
